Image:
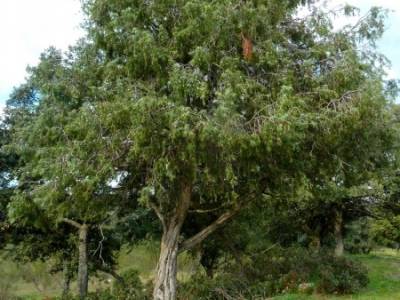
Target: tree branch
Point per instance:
(203, 234)
(100, 246)
(159, 215)
(204, 211)
(71, 222)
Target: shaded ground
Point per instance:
(31, 281)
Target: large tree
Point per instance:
(224, 102)
(195, 106)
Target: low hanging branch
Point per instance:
(157, 210)
(71, 222)
(202, 235)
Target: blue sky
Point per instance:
(27, 27)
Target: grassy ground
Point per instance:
(31, 281)
(384, 274)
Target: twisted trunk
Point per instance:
(165, 281)
(165, 285)
(83, 262)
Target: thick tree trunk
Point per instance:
(338, 226)
(83, 262)
(165, 282)
(165, 285)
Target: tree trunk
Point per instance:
(83, 262)
(165, 285)
(315, 244)
(66, 280)
(165, 281)
(338, 226)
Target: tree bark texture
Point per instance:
(338, 228)
(165, 282)
(83, 262)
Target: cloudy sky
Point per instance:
(29, 26)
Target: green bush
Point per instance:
(340, 275)
(223, 286)
(358, 238)
(98, 295)
(278, 271)
(131, 288)
(101, 295)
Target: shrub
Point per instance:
(358, 237)
(223, 286)
(279, 271)
(131, 288)
(340, 275)
(101, 295)
(98, 295)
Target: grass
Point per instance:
(383, 266)
(384, 274)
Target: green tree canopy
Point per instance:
(203, 105)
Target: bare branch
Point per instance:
(100, 246)
(203, 234)
(204, 211)
(71, 222)
(159, 215)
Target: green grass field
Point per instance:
(31, 281)
(384, 274)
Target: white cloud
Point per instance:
(27, 28)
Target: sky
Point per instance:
(27, 27)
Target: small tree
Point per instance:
(60, 174)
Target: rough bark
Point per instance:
(83, 262)
(165, 281)
(338, 226)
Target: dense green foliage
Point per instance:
(198, 113)
(279, 271)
